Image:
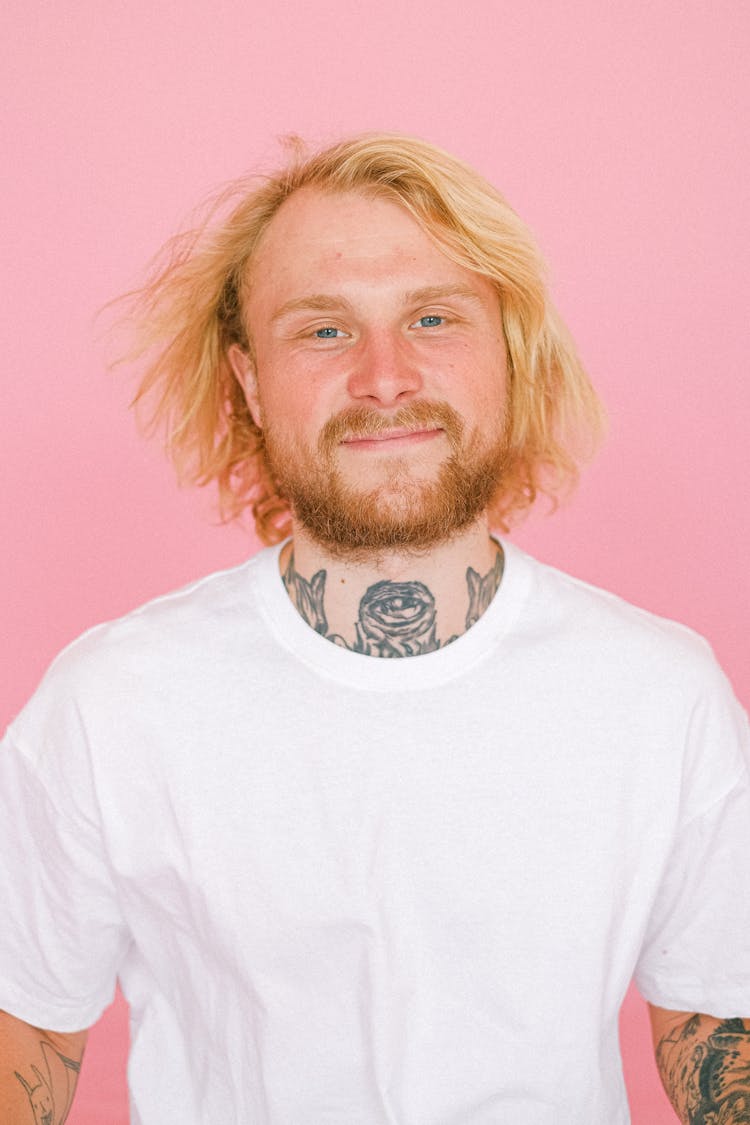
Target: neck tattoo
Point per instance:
(395, 618)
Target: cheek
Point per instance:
(476, 370)
(494, 383)
(298, 393)
(290, 410)
(482, 387)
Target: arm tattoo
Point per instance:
(51, 1094)
(395, 618)
(707, 1077)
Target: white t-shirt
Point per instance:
(344, 890)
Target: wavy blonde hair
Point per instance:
(190, 312)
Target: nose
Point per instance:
(385, 372)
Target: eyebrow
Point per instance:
(317, 302)
(438, 292)
(325, 302)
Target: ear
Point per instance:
(245, 374)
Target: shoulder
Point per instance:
(605, 629)
(657, 679)
(174, 636)
(190, 614)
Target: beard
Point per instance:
(405, 512)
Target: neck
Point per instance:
(395, 604)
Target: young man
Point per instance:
(378, 827)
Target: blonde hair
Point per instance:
(190, 312)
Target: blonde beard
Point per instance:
(403, 514)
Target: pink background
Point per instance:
(618, 130)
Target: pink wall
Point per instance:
(619, 130)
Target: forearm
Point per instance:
(38, 1073)
(704, 1065)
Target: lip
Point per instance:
(390, 439)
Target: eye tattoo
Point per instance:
(395, 619)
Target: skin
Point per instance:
(39, 1072)
(340, 317)
(351, 304)
(704, 1065)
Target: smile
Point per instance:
(391, 439)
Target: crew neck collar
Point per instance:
(377, 673)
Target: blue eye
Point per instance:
(326, 333)
(430, 321)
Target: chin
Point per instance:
(394, 474)
(404, 504)
(404, 518)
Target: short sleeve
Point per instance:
(63, 937)
(696, 956)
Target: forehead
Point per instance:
(346, 237)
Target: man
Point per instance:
(377, 827)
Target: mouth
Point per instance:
(391, 439)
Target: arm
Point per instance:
(38, 1072)
(704, 1064)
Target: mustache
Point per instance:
(363, 422)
